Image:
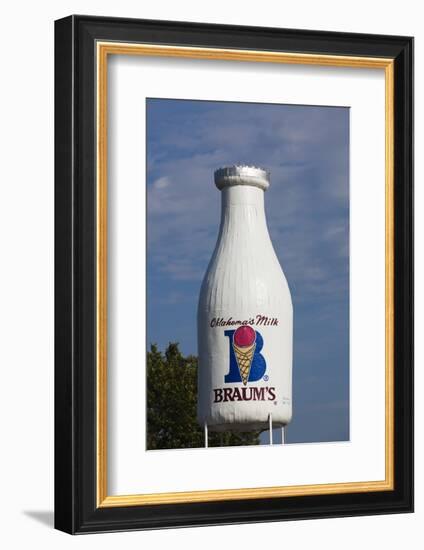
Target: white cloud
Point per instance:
(162, 183)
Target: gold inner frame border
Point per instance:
(103, 50)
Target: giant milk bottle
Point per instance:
(245, 315)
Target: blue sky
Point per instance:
(306, 148)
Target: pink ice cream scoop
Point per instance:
(244, 336)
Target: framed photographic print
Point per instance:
(233, 265)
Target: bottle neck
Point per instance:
(242, 196)
(243, 215)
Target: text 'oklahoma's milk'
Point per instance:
(245, 315)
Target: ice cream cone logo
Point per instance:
(244, 344)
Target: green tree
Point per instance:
(172, 403)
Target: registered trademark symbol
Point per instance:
(266, 378)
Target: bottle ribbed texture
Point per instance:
(244, 271)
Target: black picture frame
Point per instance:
(76, 484)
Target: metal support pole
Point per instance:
(270, 429)
(206, 435)
(283, 435)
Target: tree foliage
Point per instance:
(172, 404)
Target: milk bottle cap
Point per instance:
(240, 174)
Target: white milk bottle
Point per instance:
(245, 315)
